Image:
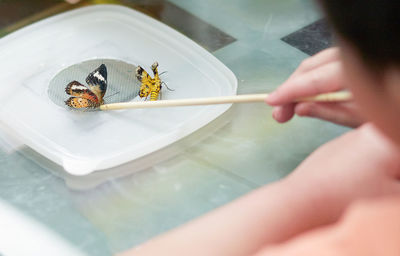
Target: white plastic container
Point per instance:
(83, 142)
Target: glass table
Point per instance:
(262, 42)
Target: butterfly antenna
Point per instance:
(167, 86)
(163, 73)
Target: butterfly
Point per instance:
(90, 96)
(149, 86)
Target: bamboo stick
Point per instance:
(246, 98)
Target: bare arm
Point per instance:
(368, 228)
(240, 228)
(315, 194)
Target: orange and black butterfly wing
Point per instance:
(77, 102)
(97, 82)
(82, 96)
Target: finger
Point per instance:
(283, 113)
(340, 113)
(327, 78)
(319, 59)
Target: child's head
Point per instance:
(368, 32)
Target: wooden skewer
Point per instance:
(327, 97)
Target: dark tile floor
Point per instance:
(311, 38)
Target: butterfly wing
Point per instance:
(78, 102)
(156, 83)
(154, 68)
(82, 96)
(146, 82)
(77, 89)
(97, 82)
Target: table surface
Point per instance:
(262, 42)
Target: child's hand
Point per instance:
(321, 73)
(368, 228)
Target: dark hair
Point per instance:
(372, 27)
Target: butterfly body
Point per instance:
(90, 96)
(149, 86)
